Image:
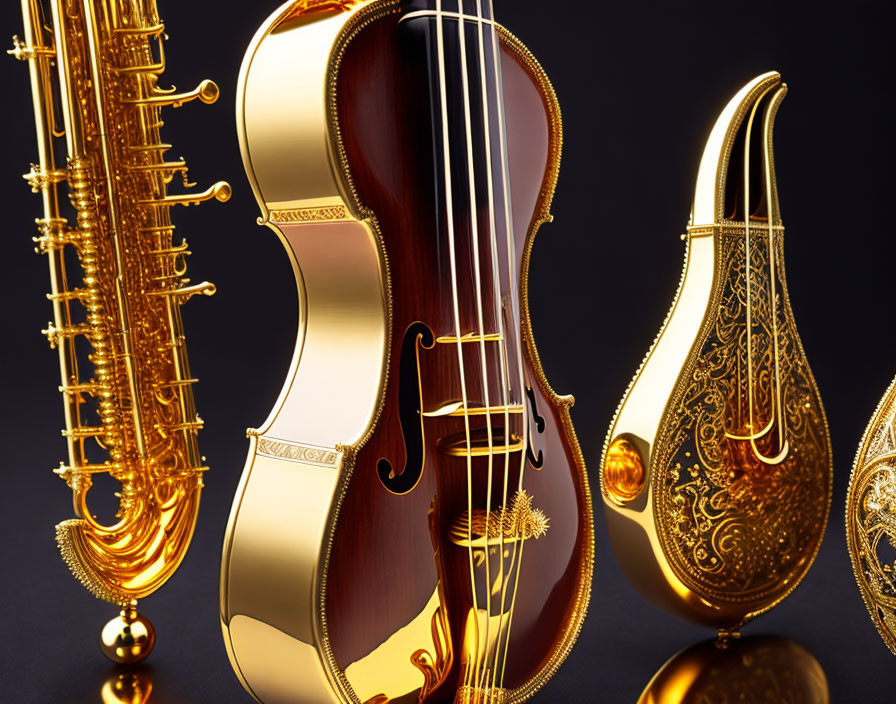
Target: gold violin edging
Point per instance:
(121, 318)
(871, 517)
(277, 655)
(688, 465)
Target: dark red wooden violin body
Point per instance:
(455, 553)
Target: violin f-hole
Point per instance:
(537, 461)
(410, 412)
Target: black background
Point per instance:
(640, 87)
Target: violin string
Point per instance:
(772, 255)
(515, 318)
(449, 211)
(499, 316)
(474, 236)
(499, 319)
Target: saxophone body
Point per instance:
(366, 509)
(716, 474)
(124, 374)
(871, 518)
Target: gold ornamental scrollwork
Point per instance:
(309, 454)
(331, 213)
(736, 528)
(871, 518)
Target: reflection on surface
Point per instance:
(764, 669)
(127, 687)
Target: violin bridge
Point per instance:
(518, 522)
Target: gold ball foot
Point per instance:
(129, 638)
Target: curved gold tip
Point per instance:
(709, 199)
(208, 91)
(222, 191)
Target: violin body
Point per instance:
(871, 517)
(385, 483)
(716, 475)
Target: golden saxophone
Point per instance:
(716, 475)
(871, 517)
(125, 378)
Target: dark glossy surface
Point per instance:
(640, 86)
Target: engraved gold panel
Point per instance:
(735, 528)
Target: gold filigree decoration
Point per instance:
(520, 521)
(480, 695)
(434, 666)
(733, 527)
(332, 213)
(871, 518)
(299, 453)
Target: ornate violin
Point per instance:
(871, 518)
(414, 519)
(716, 474)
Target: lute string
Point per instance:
(772, 256)
(753, 435)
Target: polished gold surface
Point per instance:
(624, 476)
(128, 638)
(734, 525)
(723, 414)
(127, 688)
(769, 670)
(116, 323)
(273, 628)
(871, 518)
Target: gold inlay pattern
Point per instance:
(332, 213)
(308, 454)
(734, 527)
(871, 518)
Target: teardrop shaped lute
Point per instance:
(716, 475)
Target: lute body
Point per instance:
(716, 475)
(372, 496)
